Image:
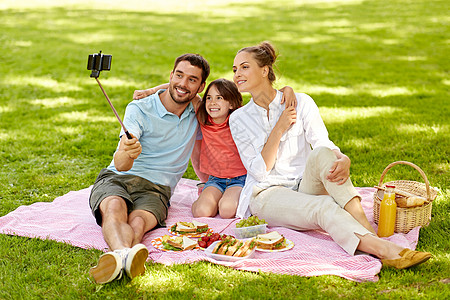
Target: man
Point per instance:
(131, 196)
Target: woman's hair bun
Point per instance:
(270, 50)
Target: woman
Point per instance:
(288, 183)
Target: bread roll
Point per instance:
(410, 201)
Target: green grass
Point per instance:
(379, 71)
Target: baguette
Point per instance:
(400, 192)
(409, 201)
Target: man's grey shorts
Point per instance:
(137, 192)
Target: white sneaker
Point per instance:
(108, 268)
(134, 260)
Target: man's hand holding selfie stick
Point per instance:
(129, 150)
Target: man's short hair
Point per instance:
(195, 60)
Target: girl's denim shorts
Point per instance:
(223, 183)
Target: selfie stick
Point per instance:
(97, 63)
(114, 110)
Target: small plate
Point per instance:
(289, 245)
(157, 243)
(208, 252)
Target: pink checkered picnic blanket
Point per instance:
(68, 219)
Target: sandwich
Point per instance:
(193, 227)
(270, 241)
(200, 225)
(184, 227)
(178, 243)
(234, 247)
(246, 248)
(227, 246)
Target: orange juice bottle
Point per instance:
(388, 210)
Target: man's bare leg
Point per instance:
(123, 234)
(117, 233)
(141, 221)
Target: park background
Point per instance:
(378, 70)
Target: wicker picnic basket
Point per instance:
(410, 217)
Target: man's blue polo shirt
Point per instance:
(167, 140)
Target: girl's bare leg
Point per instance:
(207, 203)
(229, 202)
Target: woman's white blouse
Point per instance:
(250, 128)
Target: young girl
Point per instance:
(219, 157)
